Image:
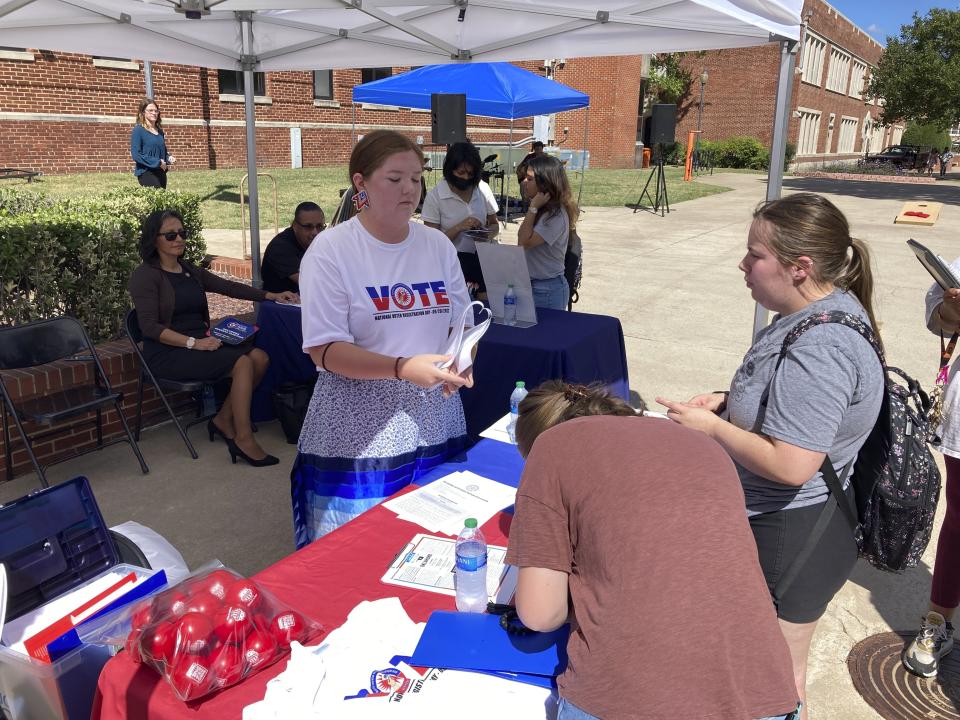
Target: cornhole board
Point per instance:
(932, 209)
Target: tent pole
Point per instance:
(778, 146)
(583, 155)
(508, 171)
(248, 61)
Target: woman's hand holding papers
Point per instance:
(467, 375)
(422, 370)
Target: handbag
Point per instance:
(290, 403)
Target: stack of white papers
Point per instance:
(443, 505)
(498, 431)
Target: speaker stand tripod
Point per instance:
(658, 202)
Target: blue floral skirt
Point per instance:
(362, 441)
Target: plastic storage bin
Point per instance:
(52, 542)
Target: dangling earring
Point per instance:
(360, 200)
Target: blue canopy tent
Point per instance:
(499, 90)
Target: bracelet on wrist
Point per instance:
(396, 368)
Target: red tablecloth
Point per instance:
(325, 580)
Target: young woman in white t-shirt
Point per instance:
(380, 294)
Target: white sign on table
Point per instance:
(504, 265)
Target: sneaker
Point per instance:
(934, 641)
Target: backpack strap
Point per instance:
(833, 316)
(823, 520)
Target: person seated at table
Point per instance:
(281, 261)
(169, 295)
(380, 294)
(643, 546)
(545, 231)
(462, 202)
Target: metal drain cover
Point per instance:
(896, 694)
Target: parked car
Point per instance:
(904, 157)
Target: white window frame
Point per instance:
(802, 145)
(848, 133)
(858, 79)
(838, 72)
(814, 53)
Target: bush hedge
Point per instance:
(74, 257)
(733, 152)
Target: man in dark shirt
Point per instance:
(536, 149)
(281, 261)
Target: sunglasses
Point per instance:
(174, 234)
(319, 227)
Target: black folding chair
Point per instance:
(42, 342)
(195, 387)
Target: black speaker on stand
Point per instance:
(448, 118)
(663, 126)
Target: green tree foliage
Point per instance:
(919, 72)
(926, 136)
(669, 80)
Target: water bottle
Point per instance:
(510, 306)
(516, 397)
(471, 568)
(209, 400)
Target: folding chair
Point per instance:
(42, 342)
(195, 387)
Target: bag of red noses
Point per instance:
(213, 630)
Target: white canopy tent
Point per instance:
(265, 35)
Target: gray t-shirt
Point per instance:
(545, 261)
(825, 397)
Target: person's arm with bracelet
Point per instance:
(242, 291)
(526, 236)
(352, 361)
(946, 316)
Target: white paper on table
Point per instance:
(428, 563)
(17, 631)
(464, 336)
(443, 505)
(498, 431)
(655, 414)
(504, 265)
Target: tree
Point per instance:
(926, 136)
(919, 72)
(669, 80)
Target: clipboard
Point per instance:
(937, 267)
(476, 642)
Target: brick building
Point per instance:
(64, 112)
(831, 120)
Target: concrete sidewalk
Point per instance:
(687, 318)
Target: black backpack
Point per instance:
(896, 482)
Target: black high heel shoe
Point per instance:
(214, 430)
(236, 452)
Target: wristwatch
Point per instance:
(191, 341)
(533, 209)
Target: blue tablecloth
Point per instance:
(492, 459)
(579, 347)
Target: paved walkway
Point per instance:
(687, 317)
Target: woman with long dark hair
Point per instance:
(545, 232)
(778, 424)
(170, 297)
(148, 146)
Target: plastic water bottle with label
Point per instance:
(516, 397)
(510, 306)
(471, 577)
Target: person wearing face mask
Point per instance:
(281, 261)
(380, 294)
(460, 204)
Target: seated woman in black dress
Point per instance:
(170, 297)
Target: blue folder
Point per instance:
(476, 642)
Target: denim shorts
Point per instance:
(552, 293)
(569, 711)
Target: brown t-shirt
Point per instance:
(673, 617)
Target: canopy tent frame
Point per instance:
(411, 37)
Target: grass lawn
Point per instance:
(220, 189)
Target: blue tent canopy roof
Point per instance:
(499, 90)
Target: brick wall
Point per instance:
(62, 114)
(740, 92)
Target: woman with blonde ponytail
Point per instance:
(778, 424)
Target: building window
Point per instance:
(896, 136)
(231, 82)
(809, 132)
(859, 79)
(848, 134)
(323, 84)
(371, 74)
(838, 74)
(813, 52)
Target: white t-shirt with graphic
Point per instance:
(443, 207)
(395, 299)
